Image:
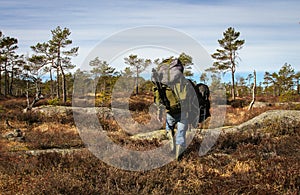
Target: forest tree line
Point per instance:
(24, 75)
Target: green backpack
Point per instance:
(169, 89)
(170, 96)
(178, 94)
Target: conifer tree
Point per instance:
(60, 40)
(226, 58)
(138, 65)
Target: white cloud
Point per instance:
(263, 24)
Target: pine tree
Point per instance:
(43, 50)
(187, 62)
(8, 45)
(139, 65)
(226, 58)
(60, 40)
(101, 71)
(297, 77)
(285, 77)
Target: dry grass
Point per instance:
(239, 163)
(236, 116)
(248, 168)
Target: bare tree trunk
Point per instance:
(233, 86)
(11, 82)
(36, 98)
(51, 83)
(253, 92)
(237, 89)
(137, 82)
(57, 84)
(5, 79)
(298, 86)
(27, 97)
(64, 89)
(104, 84)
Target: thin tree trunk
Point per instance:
(11, 83)
(253, 92)
(8, 83)
(298, 86)
(233, 86)
(5, 79)
(51, 83)
(27, 96)
(232, 75)
(136, 86)
(137, 82)
(104, 84)
(57, 83)
(36, 98)
(64, 90)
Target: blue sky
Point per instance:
(271, 29)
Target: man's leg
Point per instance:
(170, 125)
(182, 127)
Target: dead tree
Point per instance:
(34, 75)
(253, 92)
(35, 99)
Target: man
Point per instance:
(174, 97)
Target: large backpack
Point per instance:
(171, 89)
(203, 93)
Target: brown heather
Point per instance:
(239, 163)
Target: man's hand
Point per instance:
(160, 114)
(157, 112)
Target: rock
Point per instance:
(285, 116)
(55, 150)
(53, 110)
(15, 135)
(65, 111)
(261, 104)
(291, 118)
(269, 104)
(159, 134)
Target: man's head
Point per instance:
(176, 63)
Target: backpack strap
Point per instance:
(159, 86)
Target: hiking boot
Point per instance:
(171, 137)
(179, 150)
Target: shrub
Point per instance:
(281, 126)
(53, 137)
(239, 103)
(103, 99)
(29, 117)
(296, 107)
(289, 96)
(54, 102)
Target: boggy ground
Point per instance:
(239, 163)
